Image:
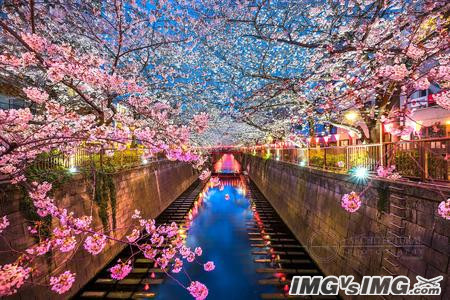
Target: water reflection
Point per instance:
(219, 227)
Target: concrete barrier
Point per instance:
(397, 230)
(150, 189)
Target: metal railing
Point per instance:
(415, 159)
(420, 159)
(82, 158)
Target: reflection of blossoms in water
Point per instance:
(215, 181)
(444, 209)
(351, 202)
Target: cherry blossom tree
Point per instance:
(309, 61)
(76, 64)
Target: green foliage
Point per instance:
(316, 158)
(104, 193)
(406, 163)
(383, 197)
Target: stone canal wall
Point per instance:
(150, 189)
(397, 230)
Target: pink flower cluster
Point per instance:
(422, 84)
(198, 290)
(43, 203)
(414, 52)
(443, 99)
(396, 72)
(36, 95)
(209, 266)
(388, 172)
(94, 244)
(12, 277)
(3, 223)
(63, 282)
(177, 266)
(133, 236)
(120, 270)
(444, 209)
(200, 122)
(351, 202)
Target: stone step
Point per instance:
(93, 294)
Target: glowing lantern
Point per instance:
(351, 116)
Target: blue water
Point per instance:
(220, 229)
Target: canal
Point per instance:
(220, 228)
(254, 253)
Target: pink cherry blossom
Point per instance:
(198, 251)
(444, 209)
(66, 244)
(200, 122)
(209, 266)
(443, 99)
(136, 214)
(148, 251)
(177, 265)
(169, 253)
(3, 223)
(12, 277)
(162, 262)
(190, 257)
(36, 95)
(351, 202)
(198, 290)
(388, 172)
(120, 270)
(133, 236)
(63, 282)
(94, 244)
(422, 84)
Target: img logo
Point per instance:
(370, 285)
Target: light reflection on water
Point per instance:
(220, 229)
